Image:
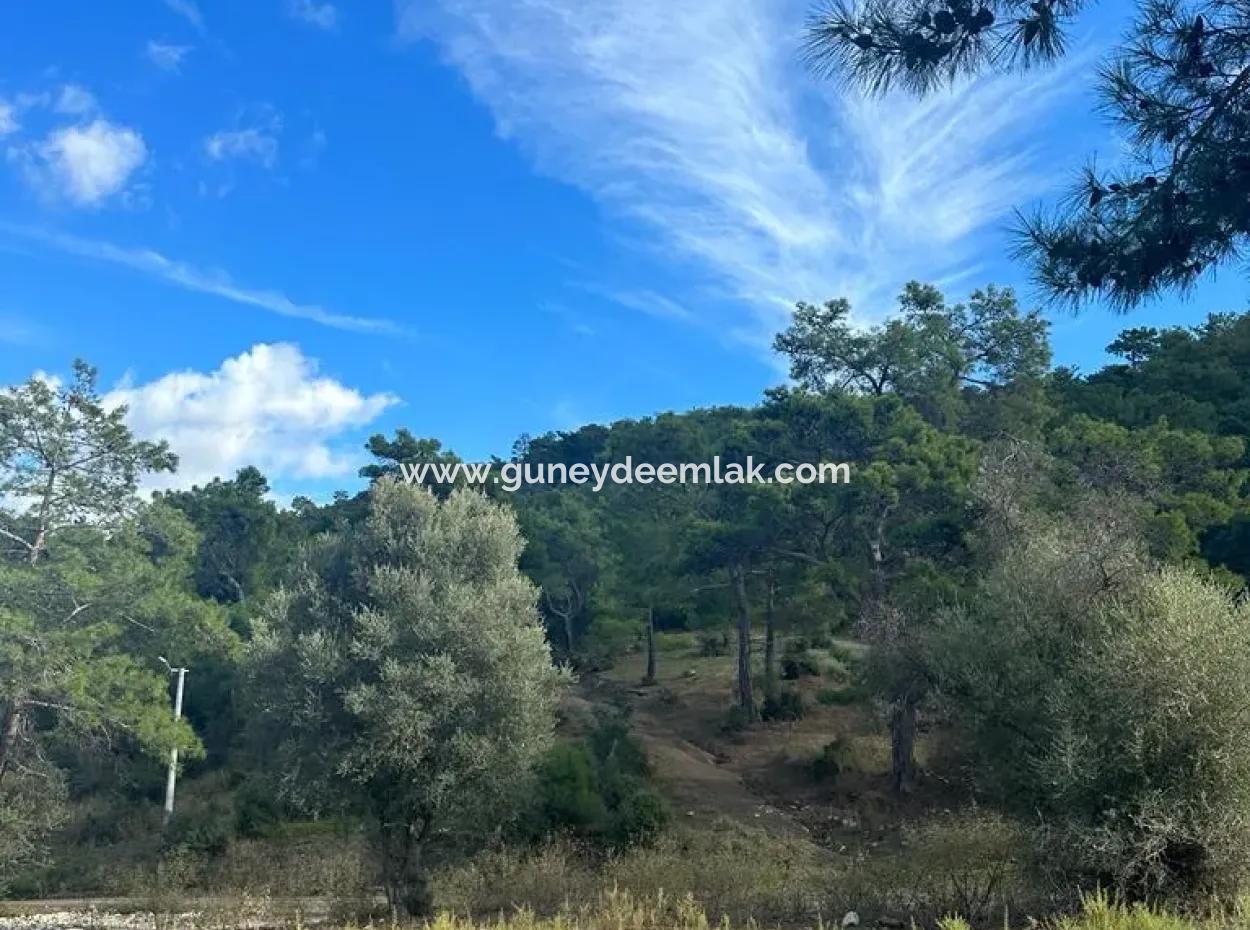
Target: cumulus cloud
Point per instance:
(269, 407)
(321, 15)
(696, 128)
(84, 164)
(165, 55)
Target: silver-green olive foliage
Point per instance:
(405, 674)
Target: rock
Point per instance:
(850, 919)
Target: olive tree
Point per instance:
(1106, 699)
(405, 676)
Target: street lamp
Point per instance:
(172, 779)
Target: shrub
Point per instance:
(595, 789)
(608, 638)
(568, 790)
(1111, 701)
(834, 697)
(844, 655)
(675, 641)
(639, 818)
(737, 718)
(799, 665)
(828, 762)
(713, 644)
(784, 705)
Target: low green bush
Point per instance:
(784, 705)
(835, 697)
(713, 644)
(828, 762)
(595, 788)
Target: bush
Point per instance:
(1153, 757)
(713, 644)
(784, 705)
(828, 762)
(737, 719)
(673, 641)
(595, 788)
(568, 790)
(1110, 701)
(608, 638)
(835, 697)
(639, 818)
(799, 665)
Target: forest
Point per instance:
(1014, 643)
(999, 677)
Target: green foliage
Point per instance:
(568, 790)
(596, 789)
(1177, 87)
(1107, 699)
(786, 705)
(835, 697)
(94, 588)
(712, 644)
(829, 762)
(926, 354)
(242, 535)
(405, 676)
(66, 460)
(797, 662)
(608, 638)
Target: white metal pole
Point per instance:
(172, 778)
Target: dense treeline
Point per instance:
(1044, 559)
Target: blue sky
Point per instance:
(279, 226)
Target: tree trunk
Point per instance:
(870, 610)
(404, 877)
(770, 642)
(36, 549)
(10, 725)
(650, 678)
(902, 742)
(746, 697)
(568, 631)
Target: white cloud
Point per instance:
(696, 127)
(258, 142)
(268, 407)
(166, 56)
(85, 164)
(75, 100)
(190, 278)
(650, 303)
(188, 10)
(8, 118)
(321, 15)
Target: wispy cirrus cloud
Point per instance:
(166, 55)
(696, 127)
(314, 13)
(191, 278)
(189, 11)
(254, 137)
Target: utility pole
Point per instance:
(172, 779)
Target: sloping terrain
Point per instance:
(765, 775)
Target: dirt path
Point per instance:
(702, 786)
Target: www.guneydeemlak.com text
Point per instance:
(512, 476)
